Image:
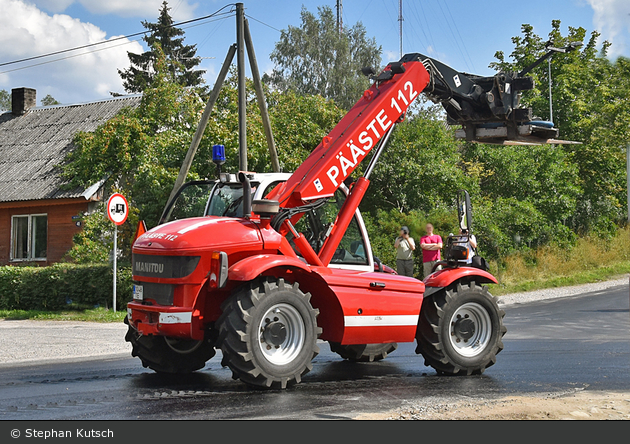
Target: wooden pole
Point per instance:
(262, 103)
(214, 95)
(240, 62)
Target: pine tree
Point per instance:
(181, 58)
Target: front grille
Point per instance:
(173, 267)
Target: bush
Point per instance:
(63, 286)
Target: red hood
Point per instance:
(199, 233)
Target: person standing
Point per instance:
(470, 244)
(431, 245)
(405, 247)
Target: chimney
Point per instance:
(22, 99)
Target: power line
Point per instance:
(460, 36)
(415, 13)
(67, 57)
(262, 23)
(115, 39)
(98, 50)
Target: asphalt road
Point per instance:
(552, 346)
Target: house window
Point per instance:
(29, 237)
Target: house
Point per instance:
(38, 217)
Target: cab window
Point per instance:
(227, 200)
(315, 226)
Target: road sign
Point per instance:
(117, 208)
(117, 212)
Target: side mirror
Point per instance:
(464, 210)
(378, 262)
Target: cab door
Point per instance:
(354, 251)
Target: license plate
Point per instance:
(138, 292)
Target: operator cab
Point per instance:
(224, 198)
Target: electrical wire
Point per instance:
(96, 50)
(263, 23)
(101, 49)
(214, 14)
(460, 36)
(454, 37)
(68, 57)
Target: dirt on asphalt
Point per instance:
(582, 405)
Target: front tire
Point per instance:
(268, 333)
(460, 331)
(169, 355)
(363, 352)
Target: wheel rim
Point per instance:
(470, 329)
(282, 334)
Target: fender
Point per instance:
(445, 277)
(253, 266)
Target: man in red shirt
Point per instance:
(431, 245)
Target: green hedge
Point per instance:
(63, 286)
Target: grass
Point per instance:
(590, 260)
(91, 315)
(600, 274)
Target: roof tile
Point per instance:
(32, 145)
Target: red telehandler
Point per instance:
(269, 265)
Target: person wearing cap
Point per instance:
(405, 246)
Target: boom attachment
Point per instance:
(487, 108)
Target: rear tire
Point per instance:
(460, 331)
(268, 333)
(169, 355)
(363, 352)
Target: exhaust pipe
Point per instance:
(247, 194)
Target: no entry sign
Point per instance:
(117, 208)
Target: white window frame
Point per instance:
(29, 247)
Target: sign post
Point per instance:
(117, 212)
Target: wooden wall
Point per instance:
(61, 226)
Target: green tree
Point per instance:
(140, 150)
(315, 58)
(543, 177)
(590, 95)
(5, 100)
(181, 59)
(49, 100)
(420, 168)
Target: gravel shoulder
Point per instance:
(28, 342)
(560, 292)
(582, 405)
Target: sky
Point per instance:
(461, 33)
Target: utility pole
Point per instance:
(240, 62)
(262, 103)
(550, 99)
(339, 16)
(400, 23)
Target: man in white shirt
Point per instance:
(405, 247)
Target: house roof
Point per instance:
(33, 145)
